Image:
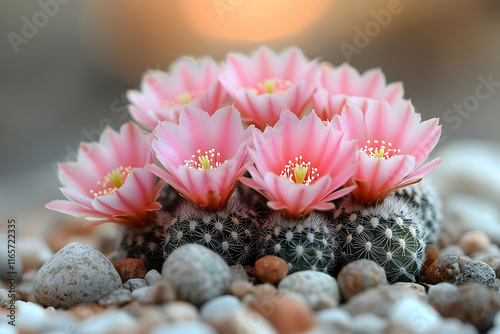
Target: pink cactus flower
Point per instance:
(266, 83)
(394, 144)
(109, 182)
(187, 82)
(301, 165)
(203, 155)
(338, 86)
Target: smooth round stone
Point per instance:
(220, 309)
(441, 292)
(153, 277)
(76, 274)
(193, 327)
(179, 312)
(197, 273)
(415, 315)
(271, 269)
(312, 285)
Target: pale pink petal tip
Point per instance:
(108, 182)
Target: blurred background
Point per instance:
(66, 65)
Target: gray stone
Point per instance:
(135, 283)
(197, 273)
(153, 276)
(477, 272)
(314, 286)
(118, 297)
(76, 274)
(160, 293)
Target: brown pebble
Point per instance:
(445, 269)
(287, 314)
(474, 241)
(431, 254)
(85, 311)
(241, 288)
(131, 268)
(358, 276)
(271, 269)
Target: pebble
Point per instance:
(118, 297)
(493, 260)
(153, 277)
(477, 272)
(238, 273)
(414, 315)
(160, 293)
(379, 300)
(109, 321)
(358, 276)
(419, 289)
(33, 318)
(85, 311)
(319, 289)
(241, 288)
(339, 321)
(472, 303)
(135, 283)
(194, 327)
(445, 269)
(431, 254)
(177, 311)
(4, 297)
(197, 273)
(271, 269)
(474, 241)
(285, 313)
(76, 274)
(220, 309)
(247, 322)
(131, 268)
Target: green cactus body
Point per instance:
(232, 232)
(145, 243)
(304, 244)
(389, 233)
(427, 205)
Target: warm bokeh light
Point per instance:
(236, 19)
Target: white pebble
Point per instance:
(415, 315)
(183, 328)
(220, 309)
(153, 276)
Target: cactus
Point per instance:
(305, 243)
(427, 205)
(389, 233)
(145, 243)
(169, 198)
(232, 231)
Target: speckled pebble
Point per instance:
(445, 269)
(197, 273)
(135, 283)
(313, 286)
(477, 272)
(118, 297)
(153, 277)
(76, 274)
(358, 276)
(271, 269)
(160, 293)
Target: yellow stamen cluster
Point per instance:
(112, 181)
(379, 149)
(300, 172)
(206, 160)
(270, 86)
(184, 98)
